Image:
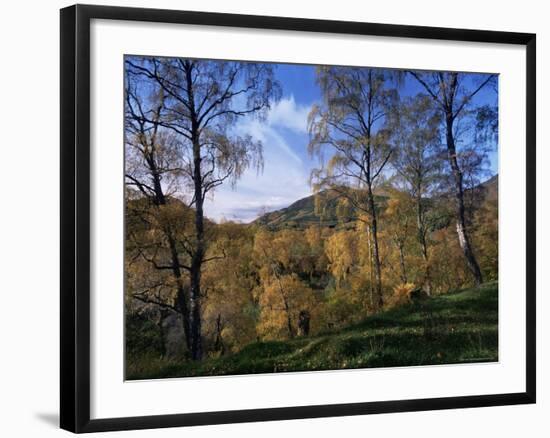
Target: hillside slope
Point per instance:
(307, 211)
(304, 212)
(459, 327)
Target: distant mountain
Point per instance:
(319, 209)
(303, 213)
(323, 210)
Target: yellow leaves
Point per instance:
(286, 249)
(281, 300)
(266, 278)
(393, 206)
(344, 209)
(313, 236)
(342, 250)
(486, 237)
(364, 222)
(401, 295)
(399, 206)
(335, 162)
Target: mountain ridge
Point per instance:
(321, 208)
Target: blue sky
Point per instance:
(287, 165)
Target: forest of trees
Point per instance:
(400, 176)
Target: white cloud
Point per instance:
(288, 114)
(268, 135)
(283, 181)
(285, 176)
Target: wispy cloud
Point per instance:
(285, 175)
(288, 114)
(268, 135)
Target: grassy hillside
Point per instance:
(459, 327)
(307, 211)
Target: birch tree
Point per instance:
(418, 163)
(201, 101)
(350, 126)
(453, 94)
(155, 220)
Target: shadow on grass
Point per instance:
(461, 327)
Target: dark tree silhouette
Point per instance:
(199, 103)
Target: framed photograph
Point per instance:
(267, 218)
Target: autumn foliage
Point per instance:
(266, 278)
(409, 217)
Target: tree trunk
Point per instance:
(371, 291)
(195, 313)
(163, 314)
(198, 254)
(375, 250)
(461, 230)
(421, 229)
(303, 323)
(196, 262)
(218, 343)
(427, 273)
(181, 297)
(402, 262)
(287, 307)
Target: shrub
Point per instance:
(401, 295)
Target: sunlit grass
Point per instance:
(459, 327)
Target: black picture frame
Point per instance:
(75, 217)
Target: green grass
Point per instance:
(459, 327)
